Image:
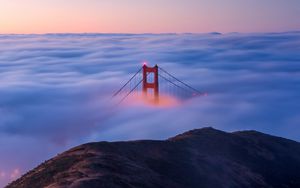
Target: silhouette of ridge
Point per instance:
(198, 158)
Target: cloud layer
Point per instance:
(55, 89)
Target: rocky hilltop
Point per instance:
(205, 158)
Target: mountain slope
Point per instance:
(198, 158)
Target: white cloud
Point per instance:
(54, 89)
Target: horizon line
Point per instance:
(151, 33)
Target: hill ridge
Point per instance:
(198, 158)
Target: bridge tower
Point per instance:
(151, 85)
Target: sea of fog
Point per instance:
(55, 89)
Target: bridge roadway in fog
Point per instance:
(151, 82)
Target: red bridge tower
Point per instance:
(151, 85)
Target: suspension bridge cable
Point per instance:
(190, 87)
(130, 92)
(172, 82)
(127, 82)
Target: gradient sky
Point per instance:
(156, 16)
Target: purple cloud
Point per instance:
(55, 89)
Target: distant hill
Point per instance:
(202, 158)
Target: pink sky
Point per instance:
(155, 16)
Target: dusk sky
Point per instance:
(54, 88)
(144, 16)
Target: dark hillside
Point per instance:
(205, 158)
